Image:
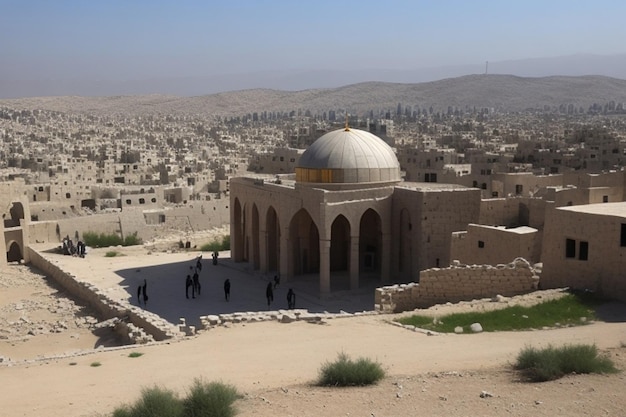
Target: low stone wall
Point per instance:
(132, 323)
(458, 283)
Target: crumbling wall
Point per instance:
(458, 283)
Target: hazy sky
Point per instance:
(138, 39)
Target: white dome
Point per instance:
(348, 156)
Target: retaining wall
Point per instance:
(458, 283)
(131, 319)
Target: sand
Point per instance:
(47, 367)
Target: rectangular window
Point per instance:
(519, 189)
(622, 239)
(605, 198)
(583, 251)
(481, 244)
(570, 248)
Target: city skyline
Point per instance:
(120, 42)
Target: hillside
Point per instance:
(502, 92)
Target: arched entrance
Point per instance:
(14, 253)
(273, 240)
(370, 242)
(305, 247)
(340, 244)
(237, 232)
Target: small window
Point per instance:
(153, 200)
(622, 241)
(68, 195)
(583, 251)
(494, 194)
(570, 248)
(128, 202)
(605, 198)
(519, 189)
(481, 244)
(142, 201)
(483, 186)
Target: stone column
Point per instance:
(324, 266)
(354, 262)
(285, 266)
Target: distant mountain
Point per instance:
(502, 92)
(296, 80)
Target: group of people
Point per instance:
(74, 250)
(269, 293)
(142, 293)
(193, 281)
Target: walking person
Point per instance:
(139, 288)
(145, 292)
(269, 293)
(189, 283)
(227, 289)
(291, 299)
(196, 282)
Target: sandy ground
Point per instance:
(49, 344)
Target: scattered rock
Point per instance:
(476, 328)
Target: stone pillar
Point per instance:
(324, 266)
(354, 262)
(385, 267)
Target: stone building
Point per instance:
(584, 247)
(347, 216)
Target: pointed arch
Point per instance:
(370, 241)
(340, 244)
(273, 239)
(304, 239)
(14, 252)
(237, 232)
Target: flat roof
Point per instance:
(610, 209)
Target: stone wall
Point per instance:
(458, 283)
(127, 319)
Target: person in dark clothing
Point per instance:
(145, 292)
(215, 256)
(196, 282)
(199, 263)
(189, 283)
(276, 281)
(291, 299)
(227, 289)
(139, 288)
(269, 294)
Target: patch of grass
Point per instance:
(346, 372)
(95, 364)
(567, 310)
(204, 399)
(104, 240)
(210, 399)
(155, 402)
(552, 363)
(112, 254)
(135, 354)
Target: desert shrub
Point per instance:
(203, 400)
(217, 245)
(104, 240)
(111, 254)
(552, 363)
(212, 399)
(156, 402)
(346, 372)
(135, 354)
(95, 364)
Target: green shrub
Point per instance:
(212, 399)
(552, 363)
(95, 364)
(154, 402)
(111, 254)
(135, 354)
(103, 240)
(217, 245)
(203, 400)
(346, 372)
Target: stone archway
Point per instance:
(304, 239)
(237, 232)
(14, 252)
(273, 240)
(340, 244)
(370, 242)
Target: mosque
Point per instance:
(347, 216)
